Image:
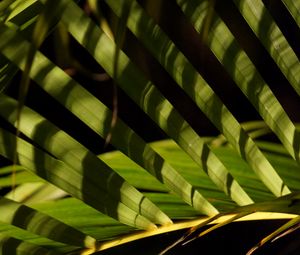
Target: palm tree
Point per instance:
(180, 62)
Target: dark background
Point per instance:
(234, 239)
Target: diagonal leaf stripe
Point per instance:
(243, 72)
(294, 8)
(194, 85)
(46, 138)
(20, 177)
(265, 28)
(35, 192)
(21, 216)
(7, 72)
(151, 101)
(10, 245)
(61, 175)
(114, 194)
(139, 151)
(216, 169)
(99, 179)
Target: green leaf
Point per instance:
(244, 73)
(201, 176)
(265, 28)
(10, 245)
(144, 154)
(19, 178)
(151, 101)
(167, 173)
(294, 8)
(99, 178)
(89, 221)
(66, 178)
(11, 168)
(46, 19)
(38, 223)
(193, 84)
(35, 192)
(7, 72)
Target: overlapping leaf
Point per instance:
(29, 219)
(193, 84)
(148, 156)
(269, 34)
(95, 114)
(243, 72)
(96, 181)
(145, 94)
(90, 176)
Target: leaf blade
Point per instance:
(151, 101)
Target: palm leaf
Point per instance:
(10, 245)
(187, 181)
(71, 152)
(293, 7)
(194, 85)
(148, 159)
(246, 76)
(262, 24)
(153, 103)
(24, 217)
(34, 192)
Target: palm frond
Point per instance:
(187, 181)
